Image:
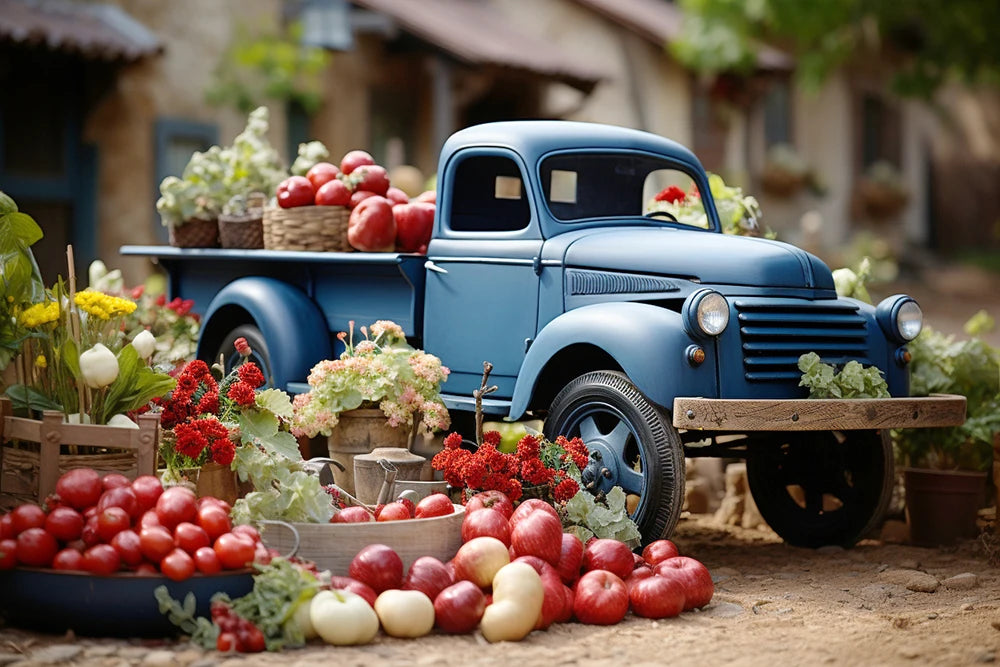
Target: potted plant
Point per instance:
(882, 192)
(945, 468)
(190, 206)
(784, 172)
(376, 394)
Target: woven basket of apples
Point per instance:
(431, 527)
(345, 208)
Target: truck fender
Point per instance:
(297, 335)
(648, 343)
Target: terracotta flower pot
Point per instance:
(941, 505)
(359, 432)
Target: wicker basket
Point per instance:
(332, 546)
(242, 231)
(195, 233)
(316, 228)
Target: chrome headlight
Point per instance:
(900, 317)
(706, 313)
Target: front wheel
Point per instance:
(821, 488)
(635, 440)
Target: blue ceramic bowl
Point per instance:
(119, 605)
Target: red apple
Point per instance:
(459, 607)
(428, 196)
(371, 227)
(607, 554)
(600, 598)
(638, 574)
(494, 499)
(537, 534)
(355, 159)
(486, 522)
(527, 507)
(555, 598)
(372, 177)
(567, 611)
(397, 196)
(353, 514)
(436, 504)
(379, 566)
(659, 550)
(394, 512)
(359, 196)
(322, 173)
(693, 575)
(570, 559)
(655, 596)
(414, 224)
(479, 559)
(333, 193)
(295, 191)
(429, 575)
(354, 586)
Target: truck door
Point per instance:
(481, 298)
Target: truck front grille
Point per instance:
(774, 336)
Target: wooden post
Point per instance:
(147, 444)
(48, 454)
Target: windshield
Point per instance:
(582, 186)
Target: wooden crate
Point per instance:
(30, 471)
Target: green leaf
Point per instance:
(275, 401)
(22, 226)
(25, 398)
(71, 357)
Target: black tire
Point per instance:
(815, 489)
(618, 421)
(259, 355)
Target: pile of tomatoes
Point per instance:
(106, 524)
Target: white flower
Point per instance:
(144, 343)
(98, 366)
(122, 421)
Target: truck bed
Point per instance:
(359, 286)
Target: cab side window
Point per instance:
(489, 196)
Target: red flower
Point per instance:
(250, 372)
(242, 393)
(565, 490)
(452, 441)
(209, 403)
(528, 447)
(492, 438)
(223, 451)
(189, 440)
(672, 194)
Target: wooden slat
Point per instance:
(818, 414)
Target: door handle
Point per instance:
(431, 266)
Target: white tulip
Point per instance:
(122, 421)
(144, 343)
(98, 366)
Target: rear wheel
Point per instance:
(633, 438)
(259, 352)
(820, 488)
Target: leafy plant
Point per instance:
(970, 367)
(20, 281)
(739, 214)
(586, 517)
(854, 380)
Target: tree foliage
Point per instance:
(924, 42)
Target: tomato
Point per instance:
(295, 191)
(7, 527)
(65, 524)
(234, 550)
(36, 547)
(371, 227)
(68, 559)
(355, 159)
(250, 639)
(214, 520)
(80, 488)
(333, 193)
(212, 500)
(26, 516)
(176, 504)
(147, 489)
(101, 559)
(113, 480)
(111, 521)
(129, 547)
(322, 173)
(177, 565)
(207, 561)
(155, 543)
(120, 496)
(189, 537)
(359, 196)
(226, 642)
(248, 530)
(8, 553)
(374, 178)
(146, 569)
(149, 518)
(89, 534)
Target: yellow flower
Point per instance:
(102, 305)
(40, 361)
(39, 314)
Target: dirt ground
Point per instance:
(875, 604)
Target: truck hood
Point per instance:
(708, 257)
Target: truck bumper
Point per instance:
(812, 414)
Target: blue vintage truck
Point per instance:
(651, 335)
